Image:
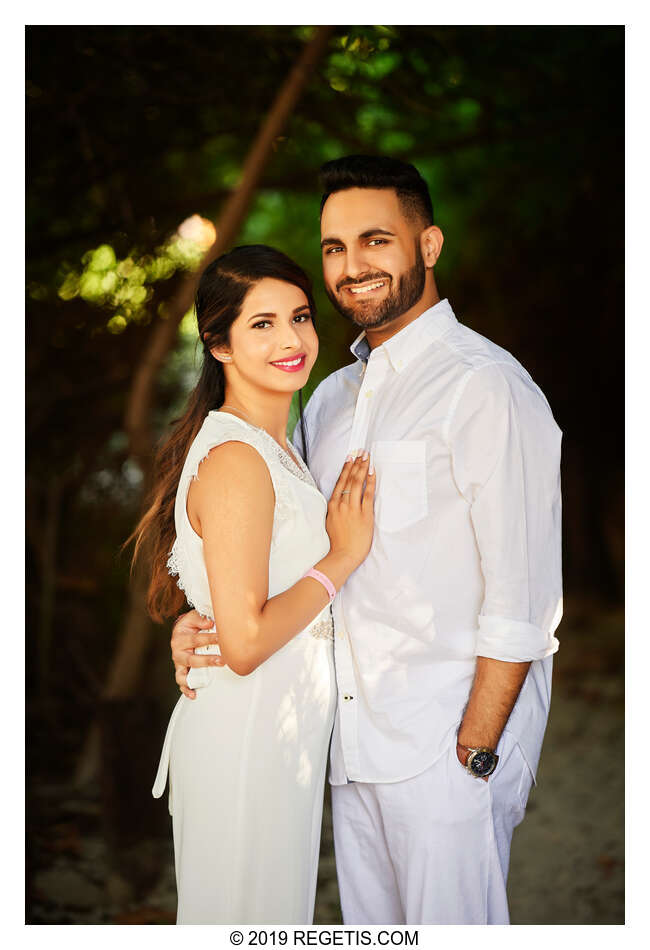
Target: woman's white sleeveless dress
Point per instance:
(247, 757)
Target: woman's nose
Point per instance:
(290, 338)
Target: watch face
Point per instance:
(483, 763)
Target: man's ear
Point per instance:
(221, 353)
(431, 241)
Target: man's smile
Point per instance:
(357, 290)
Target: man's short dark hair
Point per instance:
(376, 171)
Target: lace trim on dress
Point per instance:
(300, 471)
(175, 569)
(323, 629)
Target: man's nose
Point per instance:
(355, 263)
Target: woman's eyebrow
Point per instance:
(265, 316)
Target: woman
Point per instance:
(257, 548)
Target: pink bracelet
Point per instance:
(324, 580)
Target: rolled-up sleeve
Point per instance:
(505, 451)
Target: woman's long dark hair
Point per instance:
(219, 298)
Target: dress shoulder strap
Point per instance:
(220, 427)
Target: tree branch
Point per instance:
(231, 218)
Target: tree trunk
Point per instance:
(232, 216)
(54, 492)
(126, 666)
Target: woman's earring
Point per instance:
(219, 356)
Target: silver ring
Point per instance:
(347, 491)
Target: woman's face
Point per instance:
(273, 343)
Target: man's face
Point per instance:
(372, 264)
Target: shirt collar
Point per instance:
(411, 340)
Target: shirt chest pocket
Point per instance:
(401, 498)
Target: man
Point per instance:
(444, 635)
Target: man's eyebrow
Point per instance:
(371, 231)
(365, 234)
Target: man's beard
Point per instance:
(408, 292)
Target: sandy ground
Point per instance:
(567, 863)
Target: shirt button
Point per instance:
(348, 697)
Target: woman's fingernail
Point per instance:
(365, 456)
(371, 468)
(349, 457)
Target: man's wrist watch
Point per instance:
(480, 762)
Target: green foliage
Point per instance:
(126, 286)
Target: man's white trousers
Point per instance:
(433, 849)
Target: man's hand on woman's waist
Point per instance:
(188, 634)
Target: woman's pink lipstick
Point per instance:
(293, 365)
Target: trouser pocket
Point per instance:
(512, 779)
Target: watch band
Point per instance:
(468, 748)
(465, 749)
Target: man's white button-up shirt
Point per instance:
(466, 553)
